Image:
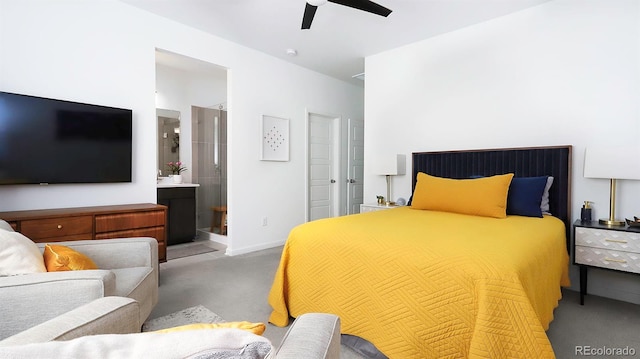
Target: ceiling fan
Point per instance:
(364, 5)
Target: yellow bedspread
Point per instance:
(425, 284)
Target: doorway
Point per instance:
(187, 85)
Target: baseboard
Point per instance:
(243, 250)
(206, 235)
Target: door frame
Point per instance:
(339, 195)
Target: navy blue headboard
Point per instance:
(523, 162)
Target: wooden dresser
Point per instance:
(87, 223)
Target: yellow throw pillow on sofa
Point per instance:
(255, 328)
(485, 196)
(62, 258)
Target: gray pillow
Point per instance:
(544, 204)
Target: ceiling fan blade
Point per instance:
(309, 13)
(365, 5)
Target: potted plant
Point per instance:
(176, 169)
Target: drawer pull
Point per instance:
(615, 260)
(59, 226)
(615, 240)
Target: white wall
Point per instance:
(103, 52)
(565, 72)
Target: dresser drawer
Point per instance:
(14, 225)
(62, 228)
(124, 221)
(154, 232)
(608, 239)
(605, 258)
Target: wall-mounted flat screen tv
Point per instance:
(47, 141)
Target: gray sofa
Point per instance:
(311, 336)
(128, 268)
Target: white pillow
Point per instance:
(205, 343)
(19, 255)
(6, 226)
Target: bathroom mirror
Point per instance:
(168, 139)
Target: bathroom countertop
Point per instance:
(170, 185)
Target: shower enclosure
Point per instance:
(209, 151)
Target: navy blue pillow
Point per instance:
(525, 195)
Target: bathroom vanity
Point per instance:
(180, 199)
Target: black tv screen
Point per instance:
(46, 141)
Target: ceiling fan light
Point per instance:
(317, 2)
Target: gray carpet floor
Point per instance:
(236, 289)
(188, 249)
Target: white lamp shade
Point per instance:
(391, 165)
(612, 162)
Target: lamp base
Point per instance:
(611, 222)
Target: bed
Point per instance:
(424, 283)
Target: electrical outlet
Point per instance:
(264, 221)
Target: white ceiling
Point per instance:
(340, 37)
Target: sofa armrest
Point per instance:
(117, 252)
(31, 299)
(312, 336)
(108, 315)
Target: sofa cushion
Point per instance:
(62, 258)
(19, 255)
(219, 343)
(106, 315)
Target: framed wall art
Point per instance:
(275, 139)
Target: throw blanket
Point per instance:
(426, 284)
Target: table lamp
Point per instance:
(391, 166)
(612, 163)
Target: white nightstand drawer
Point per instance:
(608, 239)
(367, 207)
(604, 258)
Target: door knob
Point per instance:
(352, 181)
(333, 181)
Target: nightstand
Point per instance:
(608, 247)
(371, 207)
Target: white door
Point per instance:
(322, 183)
(356, 166)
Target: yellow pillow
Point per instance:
(255, 328)
(62, 258)
(486, 196)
